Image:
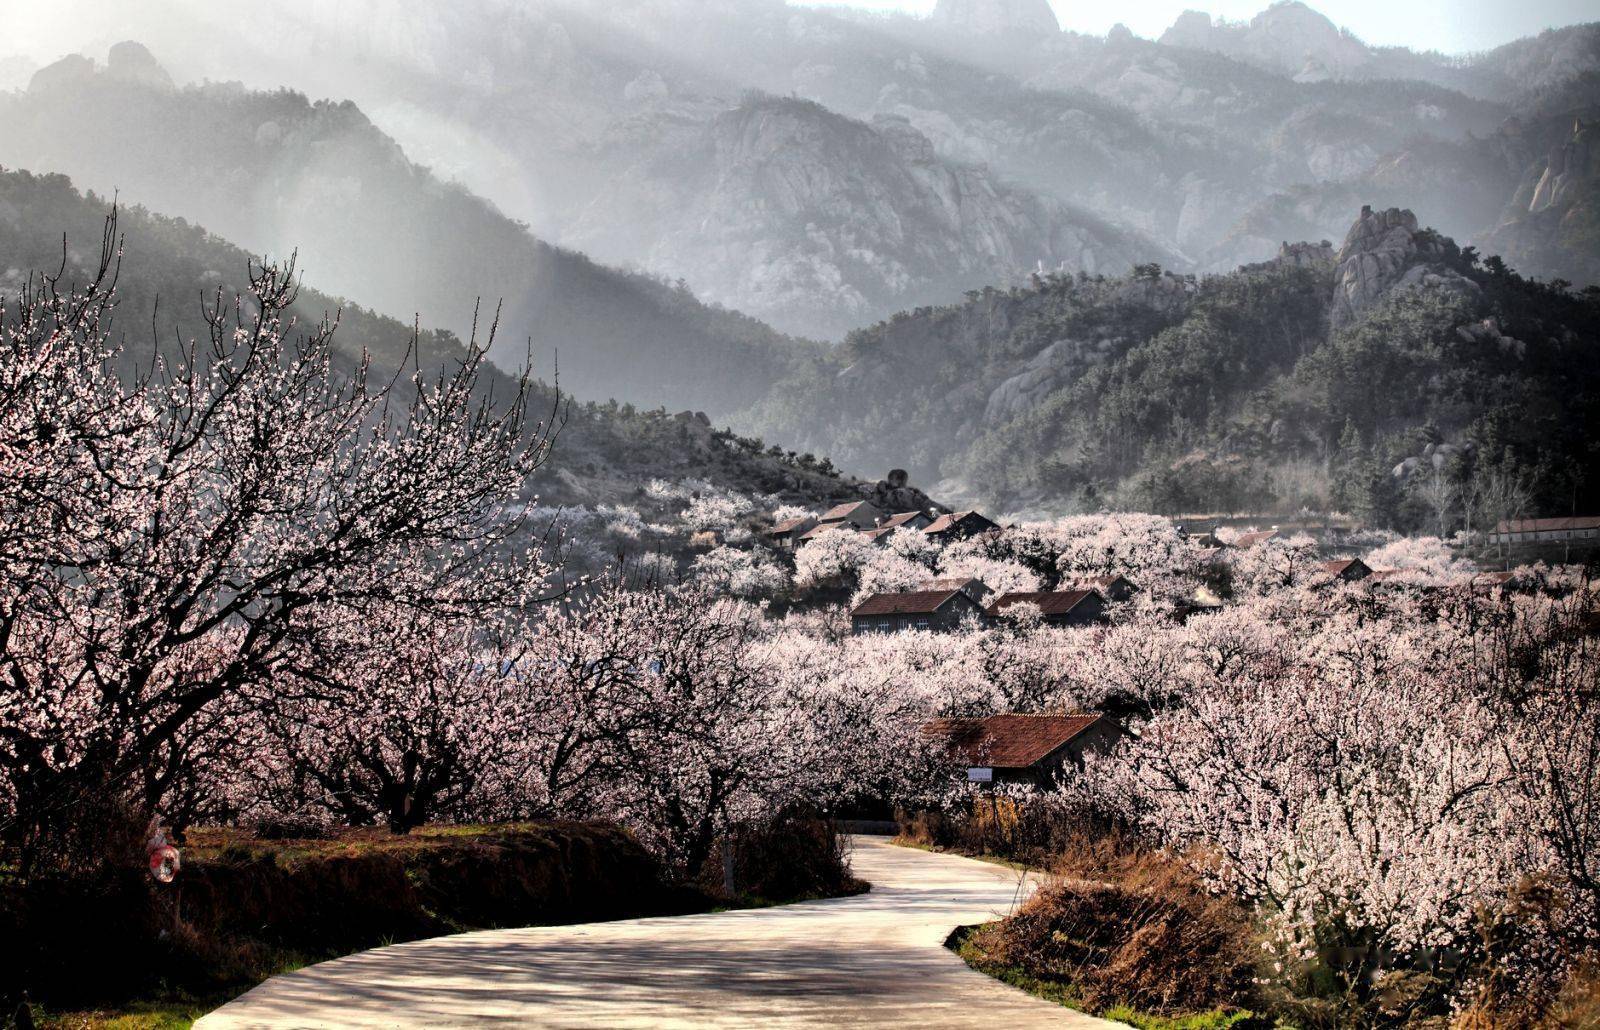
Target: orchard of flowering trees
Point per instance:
(231, 529)
(251, 583)
(1386, 770)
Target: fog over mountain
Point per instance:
(967, 148)
(689, 200)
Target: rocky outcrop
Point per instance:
(997, 17)
(1050, 370)
(73, 68)
(1287, 37)
(1569, 167)
(1487, 332)
(130, 61)
(1383, 250)
(1435, 457)
(1550, 226)
(895, 494)
(1304, 255)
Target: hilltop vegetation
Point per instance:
(171, 268)
(1257, 390)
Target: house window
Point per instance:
(886, 626)
(922, 624)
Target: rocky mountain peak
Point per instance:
(1288, 37)
(997, 17)
(1294, 19)
(127, 61)
(1385, 250)
(71, 69)
(1192, 29)
(131, 61)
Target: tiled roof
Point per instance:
(1053, 602)
(1249, 540)
(1100, 583)
(1340, 566)
(916, 602)
(788, 526)
(947, 522)
(955, 583)
(1548, 525)
(840, 512)
(900, 519)
(1010, 741)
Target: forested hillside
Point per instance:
(1396, 377)
(171, 270)
(278, 172)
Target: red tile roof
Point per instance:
(1340, 566)
(840, 512)
(901, 519)
(1054, 602)
(1011, 741)
(788, 526)
(945, 523)
(1249, 540)
(955, 583)
(916, 602)
(1100, 583)
(1547, 525)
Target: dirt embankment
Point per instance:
(244, 908)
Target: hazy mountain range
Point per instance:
(679, 197)
(938, 154)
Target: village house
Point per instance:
(959, 525)
(1248, 540)
(1059, 607)
(974, 588)
(1529, 531)
(788, 533)
(1344, 570)
(1114, 588)
(1031, 750)
(939, 611)
(907, 520)
(854, 514)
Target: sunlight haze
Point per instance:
(1449, 26)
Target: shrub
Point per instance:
(1153, 938)
(794, 857)
(244, 907)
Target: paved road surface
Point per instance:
(873, 960)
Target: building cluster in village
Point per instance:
(945, 605)
(1036, 750)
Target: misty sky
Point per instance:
(1452, 26)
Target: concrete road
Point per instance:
(874, 960)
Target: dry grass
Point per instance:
(1117, 927)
